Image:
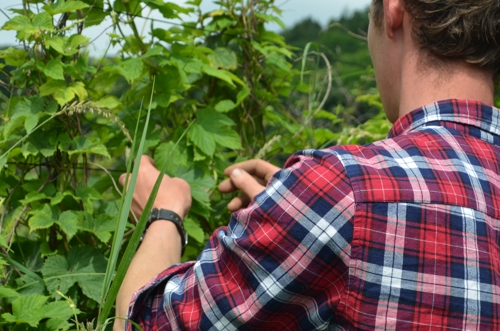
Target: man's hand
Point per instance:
(250, 177)
(174, 193)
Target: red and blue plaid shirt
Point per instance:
(402, 234)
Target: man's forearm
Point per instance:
(160, 249)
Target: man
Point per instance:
(402, 234)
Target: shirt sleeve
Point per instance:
(282, 263)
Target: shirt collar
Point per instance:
(465, 112)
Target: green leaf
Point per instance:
(54, 69)
(83, 265)
(43, 21)
(52, 87)
(64, 7)
(202, 139)
(30, 123)
(18, 23)
(194, 230)
(218, 73)
(64, 96)
(27, 309)
(218, 126)
(242, 95)
(224, 106)
(68, 222)
(131, 69)
(41, 219)
(88, 195)
(31, 309)
(223, 58)
(78, 88)
(6, 292)
(101, 226)
(90, 145)
(166, 151)
(33, 196)
(57, 43)
(227, 137)
(169, 10)
(3, 242)
(131, 6)
(109, 102)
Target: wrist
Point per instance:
(164, 215)
(168, 205)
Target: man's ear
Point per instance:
(393, 16)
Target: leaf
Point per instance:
(224, 106)
(202, 139)
(43, 21)
(68, 222)
(81, 145)
(169, 10)
(33, 196)
(21, 111)
(109, 102)
(64, 96)
(166, 151)
(41, 219)
(52, 87)
(54, 69)
(57, 43)
(3, 242)
(78, 88)
(218, 126)
(18, 23)
(30, 123)
(64, 7)
(223, 58)
(218, 73)
(194, 230)
(87, 195)
(131, 69)
(26, 309)
(84, 265)
(31, 309)
(6, 292)
(227, 137)
(131, 6)
(242, 95)
(101, 226)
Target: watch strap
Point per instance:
(168, 215)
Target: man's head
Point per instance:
(463, 30)
(429, 50)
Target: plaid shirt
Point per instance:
(402, 234)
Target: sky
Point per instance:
(293, 11)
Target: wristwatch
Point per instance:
(168, 215)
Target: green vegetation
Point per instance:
(217, 89)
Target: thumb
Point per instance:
(246, 183)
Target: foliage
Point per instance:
(219, 88)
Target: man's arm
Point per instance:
(161, 243)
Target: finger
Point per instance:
(256, 167)
(147, 160)
(246, 183)
(227, 185)
(239, 202)
(121, 180)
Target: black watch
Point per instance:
(168, 215)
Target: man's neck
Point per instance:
(454, 81)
